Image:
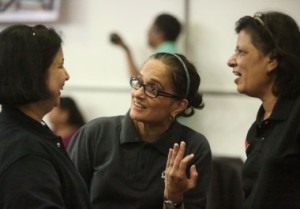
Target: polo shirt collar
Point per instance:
(163, 144)
(171, 136)
(281, 110)
(18, 117)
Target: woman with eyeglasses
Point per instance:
(146, 159)
(267, 65)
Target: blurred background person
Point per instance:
(123, 159)
(162, 36)
(66, 119)
(266, 63)
(35, 169)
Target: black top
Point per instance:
(124, 172)
(271, 173)
(35, 170)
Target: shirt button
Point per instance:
(58, 144)
(262, 139)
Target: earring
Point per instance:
(172, 118)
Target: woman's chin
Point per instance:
(240, 89)
(56, 101)
(134, 115)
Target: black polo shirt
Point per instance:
(124, 172)
(271, 174)
(35, 169)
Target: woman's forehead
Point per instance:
(154, 67)
(156, 71)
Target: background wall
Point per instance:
(98, 69)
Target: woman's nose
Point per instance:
(231, 61)
(139, 92)
(67, 75)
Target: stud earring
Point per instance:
(172, 118)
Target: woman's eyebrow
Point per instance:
(156, 82)
(152, 81)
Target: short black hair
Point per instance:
(26, 54)
(169, 25)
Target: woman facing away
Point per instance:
(35, 170)
(145, 158)
(267, 65)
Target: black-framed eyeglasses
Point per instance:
(150, 90)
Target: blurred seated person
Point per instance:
(162, 36)
(66, 119)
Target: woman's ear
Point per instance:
(181, 105)
(273, 63)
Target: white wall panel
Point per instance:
(99, 78)
(212, 37)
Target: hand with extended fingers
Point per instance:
(176, 180)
